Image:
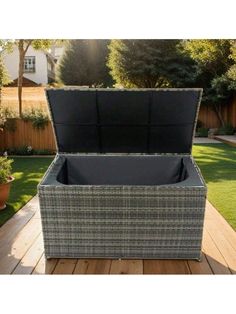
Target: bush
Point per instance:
(38, 117)
(7, 119)
(28, 151)
(199, 124)
(227, 129)
(202, 132)
(23, 150)
(5, 169)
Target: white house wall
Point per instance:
(40, 76)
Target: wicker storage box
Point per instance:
(124, 183)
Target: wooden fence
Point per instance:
(210, 120)
(27, 135)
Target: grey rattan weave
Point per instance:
(155, 221)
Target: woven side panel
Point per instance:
(122, 222)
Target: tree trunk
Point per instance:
(218, 112)
(0, 96)
(20, 73)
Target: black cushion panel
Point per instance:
(72, 138)
(73, 106)
(123, 107)
(124, 139)
(175, 107)
(171, 139)
(133, 121)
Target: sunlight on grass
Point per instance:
(28, 173)
(218, 165)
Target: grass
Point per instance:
(27, 171)
(218, 166)
(216, 161)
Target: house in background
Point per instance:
(39, 66)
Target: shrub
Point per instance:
(23, 150)
(199, 124)
(5, 169)
(227, 129)
(28, 151)
(38, 117)
(43, 152)
(202, 132)
(7, 119)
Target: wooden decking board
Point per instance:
(21, 251)
(14, 252)
(13, 226)
(93, 266)
(126, 267)
(65, 266)
(200, 268)
(31, 258)
(166, 267)
(44, 266)
(214, 257)
(219, 224)
(225, 248)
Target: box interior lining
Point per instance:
(122, 170)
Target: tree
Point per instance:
(150, 63)
(215, 69)
(23, 45)
(4, 77)
(84, 63)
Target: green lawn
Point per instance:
(27, 172)
(216, 161)
(218, 165)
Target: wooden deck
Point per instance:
(21, 251)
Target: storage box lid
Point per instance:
(124, 121)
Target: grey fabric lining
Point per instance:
(123, 170)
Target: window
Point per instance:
(29, 65)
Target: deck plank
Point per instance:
(228, 252)
(65, 266)
(166, 267)
(44, 266)
(93, 266)
(214, 256)
(31, 258)
(200, 268)
(220, 225)
(14, 252)
(126, 267)
(13, 226)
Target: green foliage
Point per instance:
(4, 77)
(199, 124)
(28, 151)
(227, 129)
(5, 169)
(150, 63)
(22, 150)
(202, 132)
(215, 71)
(84, 63)
(7, 119)
(38, 118)
(44, 44)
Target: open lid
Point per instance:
(124, 121)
